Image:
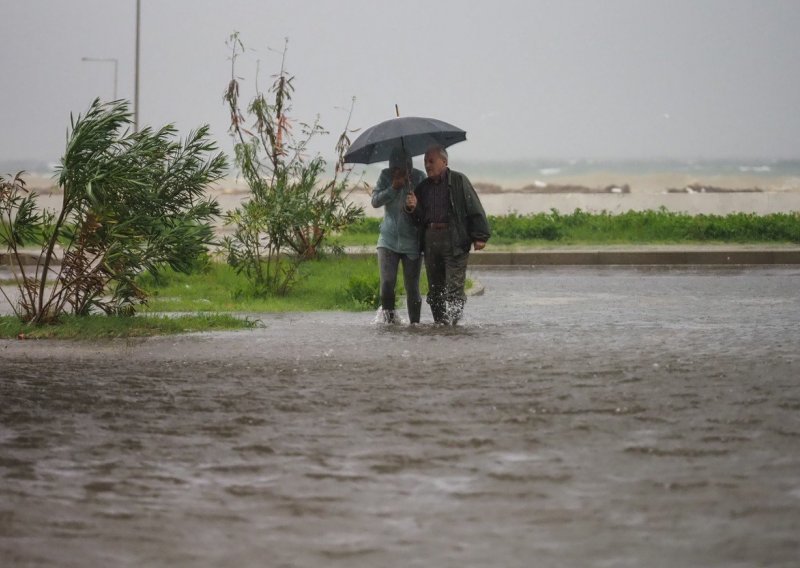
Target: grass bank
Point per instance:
(342, 283)
(105, 327)
(330, 283)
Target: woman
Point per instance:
(399, 237)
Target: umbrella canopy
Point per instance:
(413, 133)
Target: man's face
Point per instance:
(434, 163)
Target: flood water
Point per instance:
(642, 417)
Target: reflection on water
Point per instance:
(581, 417)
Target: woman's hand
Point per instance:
(399, 178)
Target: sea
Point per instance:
(717, 187)
(548, 168)
(514, 174)
(534, 168)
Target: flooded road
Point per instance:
(580, 417)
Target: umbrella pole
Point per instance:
(403, 146)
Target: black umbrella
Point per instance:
(412, 133)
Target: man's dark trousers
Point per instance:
(447, 274)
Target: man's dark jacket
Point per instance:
(466, 217)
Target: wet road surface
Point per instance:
(579, 417)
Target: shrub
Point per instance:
(365, 225)
(291, 212)
(364, 290)
(132, 202)
(646, 226)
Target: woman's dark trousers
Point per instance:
(388, 262)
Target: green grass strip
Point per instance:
(331, 283)
(633, 227)
(109, 327)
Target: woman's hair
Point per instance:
(399, 159)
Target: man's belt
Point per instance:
(437, 226)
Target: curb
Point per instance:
(630, 258)
(638, 257)
(26, 259)
(596, 257)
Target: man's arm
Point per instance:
(477, 222)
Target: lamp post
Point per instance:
(106, 60)
(136, 75)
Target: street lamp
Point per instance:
(136, 72)
(106, 60)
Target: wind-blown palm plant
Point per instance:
(132, 202)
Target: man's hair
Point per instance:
(441, 150)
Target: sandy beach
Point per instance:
(719, 194)
(591, 192)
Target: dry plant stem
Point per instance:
(48, 256)
(23, 288)
(14, 187)
(290, 212)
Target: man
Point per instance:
(452, 218)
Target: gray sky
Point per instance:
(622, 79)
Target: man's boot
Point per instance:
(439, 312)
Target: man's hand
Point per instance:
(411, 201)
(479, 245)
